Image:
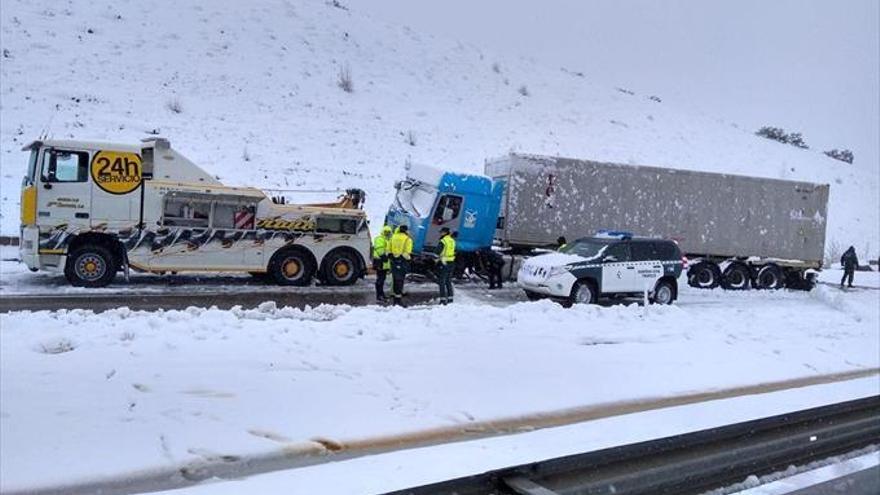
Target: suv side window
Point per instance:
(65, 166)
(666, 251)
(643, 251)
(620, 252)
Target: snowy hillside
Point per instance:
(250, 91)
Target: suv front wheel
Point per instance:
(584, 292)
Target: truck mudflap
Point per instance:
(801, 280)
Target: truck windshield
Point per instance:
(31, 170)
(587, 248)
(415, 198)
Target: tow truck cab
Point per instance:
(91, 209)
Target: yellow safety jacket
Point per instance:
(380, 249)
(447, 252)
(401, 245)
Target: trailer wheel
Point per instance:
(770, 277)
(91, 265)
(736, 277)
(292, 266)
(704, 275)
(584, 292)
(341, 267)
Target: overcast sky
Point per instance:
(805, 65)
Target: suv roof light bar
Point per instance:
(613, 234)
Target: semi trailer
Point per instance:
(737, 232)
(92, 210)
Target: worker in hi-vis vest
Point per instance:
(382, 260)
(446, 251)
(401, 252)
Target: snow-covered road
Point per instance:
(98, 395)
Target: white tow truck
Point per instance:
(92, 210)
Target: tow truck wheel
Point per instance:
(583, 292)
(340, 268)
(90, 266)
(292, 266)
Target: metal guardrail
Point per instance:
(689, 463)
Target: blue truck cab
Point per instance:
(429, 199)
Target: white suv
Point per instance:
(591, 267)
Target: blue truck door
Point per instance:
(447, 213)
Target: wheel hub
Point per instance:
(769, 280)
(584, 295)
(291, 268)
(341, 269)
(90, 267)
(736, 278)
(704, 277)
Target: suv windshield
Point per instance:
(588, 248)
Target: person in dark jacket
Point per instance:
(561, 242)
(494, 264)
(850, 262)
